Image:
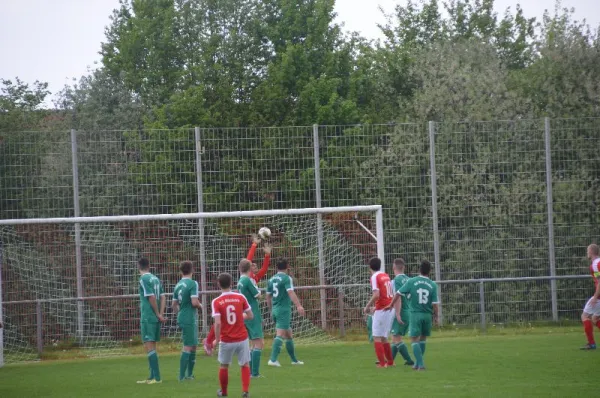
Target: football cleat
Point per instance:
(298, 363)
(276, 363)
(588, 347)
(153, 381)
(143, 381)
(220, 394)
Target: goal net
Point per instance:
(72, 284)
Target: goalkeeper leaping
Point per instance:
(255, 273)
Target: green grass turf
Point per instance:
(543, 363)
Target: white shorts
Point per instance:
(382, 322)
(240, 348)
(592, 310)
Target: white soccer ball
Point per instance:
(264, 232)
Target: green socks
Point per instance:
(289, 346)
(153, 360)
(184, 361)
(277, 344)
(416, 347)
(191, 363)
(255, 362)
(422, 344)
(401, 348)
(394, 351)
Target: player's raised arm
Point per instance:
(267, 248)
(255, 242)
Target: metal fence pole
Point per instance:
(551, 252)
(39, 327)
(482, 305)
(434, 210)
(341, 308)
(202, 253)
(76, 211)
(323, 293)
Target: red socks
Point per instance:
(589, 331)
(380, 352)
(245, 378)
(224, 379)
(211, 335)
(387, 348)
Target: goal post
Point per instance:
(43, 308)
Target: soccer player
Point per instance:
(591, 312)
(401, 320)
(255, 274)
(247, 286)
(422, 295)
(383, 316)
(230, 310)
(185, 305)
(152, 305)
(280, 296)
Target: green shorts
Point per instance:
(420, 324)
(150, 331)
(254, 328)
(189, 334)
(401, 329)
(282, 319)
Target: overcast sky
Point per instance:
(56, 40)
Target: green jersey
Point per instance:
(279, 286)
(421, 293)
(149, 286)
(399, 281)
(184, 292)
(247, 286)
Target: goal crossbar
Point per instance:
(188, 216)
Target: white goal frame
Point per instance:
(378, 236)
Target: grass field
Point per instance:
(542, 362)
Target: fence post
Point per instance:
(199, 192)
(323, 292)
(551, 252)
(482, 305)
(39, 328)
(341, 308)
(77, 213)
(434, 211)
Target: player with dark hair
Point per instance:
(383, 317)
(280, 296)
(422, 294)
(255, 273)
(401, 320)
(591, 311)
(185, 306)
(230, 310)
(152, 305)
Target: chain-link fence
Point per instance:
(484, 200)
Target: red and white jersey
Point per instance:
(595, 270)
(381, 281)
(230, 307)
